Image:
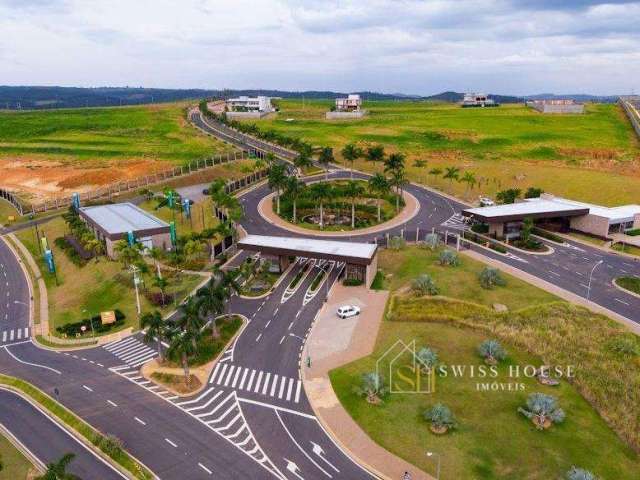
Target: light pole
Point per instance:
(308, 349)
(432, 454)
(93, 332)
(136, 280)
(598, 263)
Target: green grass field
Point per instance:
(507, 146)
(14, 465)
(494, 441)
(99, 135)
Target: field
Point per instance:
(105, 285)
(493, 440)
(14, 464)
(509, 146)
(44, 153)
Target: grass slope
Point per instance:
(507, 146)
(14, 464)
(158, 132)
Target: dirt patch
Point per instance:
(177, 383)
(47, 179)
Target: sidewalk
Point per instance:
(334, 342)
(411, 209)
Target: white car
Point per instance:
(347, 311)
(486, 202)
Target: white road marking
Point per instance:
(282, 339)
(553, 273)
(258, 337)
(205, 469)
(87, 388)
(141, 422)
(171, 443)
(113, 404)
(621, 301)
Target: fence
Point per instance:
(631, 107)
(12, 199)
(115, 189)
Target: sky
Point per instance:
(395, 46)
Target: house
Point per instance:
(249, 107)
(114, 222)
(349, 107)
(478, 100)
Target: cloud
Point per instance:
(508, 46)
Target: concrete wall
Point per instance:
(636, 220)
(372, 270)
(245, 115)
(345, 115)
(496, 230)
(558, 108)
(591, 224)
(161, 240)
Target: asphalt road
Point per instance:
(51, 440)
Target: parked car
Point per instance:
(347, 311)
(486, 202)
(205, 191)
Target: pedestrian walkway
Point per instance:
(14, 335)
(131, 351)
(256, 381)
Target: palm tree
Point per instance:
(394, 163)
(277, 178)
(58, 470)
(128, 254)
(189, 319)
(156, 254)
(398, 180)
(303, 159)
(470, 179)
(184, 345)
(294, 188)
(158, 330)
(451, 174)
(211, 300)
(436, 172)
(375, 153)
(321, 191)
(270, 158)
(353, 190)
(351, 152)
(161, 284)
(325, 158)
(379, 186)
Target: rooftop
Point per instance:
(122, 218)
(310, 247)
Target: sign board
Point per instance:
(75, 201)
(48, 257)
(186, 207)
(131, 239)
(44, 243)
(108, 317)
(172, 233)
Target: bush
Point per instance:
(397, 243)
(431, 240)
(111, 445)
(424, 285)
(449, 258)
(427, 357)
(480, 228)
(543, 410)
(634, 233)
(440, 416)
(352, 282)
(490, 277)
(547, 235)
(73, 329)
(491, 350)
(627, 345)
(580, 474)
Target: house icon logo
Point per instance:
(407, 373)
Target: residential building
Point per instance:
(478, 100)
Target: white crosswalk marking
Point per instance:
(131, 351)
(456, 221)
(16, 334)
(257, 381)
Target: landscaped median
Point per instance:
(107, 447)
(628, 283)
(450, 310)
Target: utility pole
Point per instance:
(136, 281)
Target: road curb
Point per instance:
(40, 466)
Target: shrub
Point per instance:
(480, 228)
(428, 357)
(449, 258)
(73, 329)
(431, 240)
(580, 474)
(397, 243)
(424, 285)
(111, 445)
(543, 410)
(372, 387)
(440, 416)
(490, 277)
(625, 346)
(547, 235)
(492, 351)
(533, 192)
(352, 282)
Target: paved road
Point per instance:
(14, 298)
(51, 441)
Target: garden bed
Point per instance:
(629, 283)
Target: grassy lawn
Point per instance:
(7, 210)
(507, 146)
(201, 216)
(631, 249)
(588, 238)
(492, 440)
(159, 132)
(402, 266)
(105, 286)
(14, 464)
(630, 283)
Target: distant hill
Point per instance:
(34, 97)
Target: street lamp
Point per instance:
(93, 332)
(432, 454)
(308, 348)
(598, 263)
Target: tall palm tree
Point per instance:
(58, 470)
(156, 254)
(351, 152)
(277, 178)
(353, 190)
(158, 330)
(451, 174)
(325, 158)
(294, 188)
(189, 319)
(379, 186)
(270, 158)
(184, 345)
(211, 300)
(469, 178)
(375, 154)
(398, 180)
(436, 172)
(303, 159)
(161, 284)
(394, 163)
(321, 191)
(128, 254)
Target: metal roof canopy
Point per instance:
(522, 210)
(119, 218)
(350, 252)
